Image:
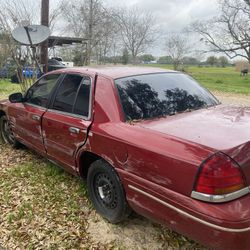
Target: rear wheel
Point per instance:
(6, 132)
(106, 192)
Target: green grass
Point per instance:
(41, 203)
(214, 78)
(6, 88)
(217, 79)
(44, 207)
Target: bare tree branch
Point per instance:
(137, 29)
(177, 47)
(230, 32)
(12, 13)
(91, 20)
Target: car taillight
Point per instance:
(219, 175)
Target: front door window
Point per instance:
(40, 92)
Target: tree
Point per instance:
(137, 29)
(82, 19)
(12, 14)
(165, 60)
(223, 61)
(177, 48)
(125, 56)
(91, 20)
(4, 48)
(147, 58)
(191, 61)
(212, 60)
(108, 39)
(230, 32)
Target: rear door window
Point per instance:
(82, 103)
(66, 94)
(73, 95)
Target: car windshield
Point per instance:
(157, 95)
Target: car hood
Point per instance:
(220, 127)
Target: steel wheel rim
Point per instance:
(7, 133)
(105, 191)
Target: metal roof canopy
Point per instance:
(60, 41)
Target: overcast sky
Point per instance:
(172, 16)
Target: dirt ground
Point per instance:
(233, 99)
(136, 232)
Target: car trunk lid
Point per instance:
(221, 128)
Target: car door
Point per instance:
(66, 123)
(27, 116)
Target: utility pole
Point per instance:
(44, 45)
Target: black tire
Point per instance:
(6, 133)
(106, 192)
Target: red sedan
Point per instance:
(146, 139)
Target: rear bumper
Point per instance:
(218, 226)
(190, 216)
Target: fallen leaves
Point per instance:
(43, 207)
(40, 204)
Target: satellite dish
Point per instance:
(31, 34)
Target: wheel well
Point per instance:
(86, 159)
(1, 113)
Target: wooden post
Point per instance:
(44, 45)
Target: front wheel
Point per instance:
(6, 132)
(106, 192)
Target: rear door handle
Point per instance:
(74, 130)
(35, 117)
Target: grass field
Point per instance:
(214, 78)
(217, 79)
(6, 88)
(42, 206)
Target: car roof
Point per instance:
(115, 72)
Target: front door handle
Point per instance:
(35, 117)
(74, 130)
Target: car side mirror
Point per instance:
(16, 97)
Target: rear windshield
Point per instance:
(163, 94)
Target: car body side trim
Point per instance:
(225, 229)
